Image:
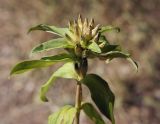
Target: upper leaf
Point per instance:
(109, 28)
(115, 54)
(33, 64)
(28, 65)
(52, 44)
(101, 94)
(65, 115)
(119, 54)
(51, 29)
(92, 113)
(66, 71)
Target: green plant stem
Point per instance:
(78, 101)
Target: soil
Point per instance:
(137, 94)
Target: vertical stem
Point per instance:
(81, 69)
(78, 101)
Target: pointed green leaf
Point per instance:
(65, 115)
(109, 28)
(66, 71)
(92, 113)
(33, 64)
(50, 29)
(115, 54)
(101, 94)
(28, 65)
(118, 54)
(51, 44)
(94, 47)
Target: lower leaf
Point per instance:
(66, 71)
(65, 115)
(101, 94)
(92, 113)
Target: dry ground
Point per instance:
(137, 95)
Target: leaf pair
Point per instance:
(67, 114)
(54, 43)
(62, 42)
(102, 96)
(100, 92)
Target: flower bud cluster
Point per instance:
(81, 33)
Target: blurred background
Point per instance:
(137, 94)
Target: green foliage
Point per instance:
(82, 40)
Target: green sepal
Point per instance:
(103, 39)
(94, 47)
